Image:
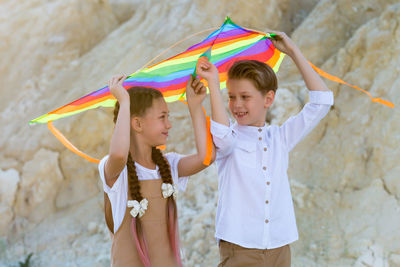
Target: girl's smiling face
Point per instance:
(247, 104)
(155, 123)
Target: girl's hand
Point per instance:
(207, 70)
(283, 43)
(195, 91)
(116, 88)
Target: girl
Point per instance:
(139, 182)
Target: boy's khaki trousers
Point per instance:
(232, 255)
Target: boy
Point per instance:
(255, 220)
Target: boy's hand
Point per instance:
(195, 91)
(116, 88)
(207, 70)
(283, 43)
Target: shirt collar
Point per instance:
(251, 130)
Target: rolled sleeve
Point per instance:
(321, 97)
(298, 126)
(223, 138)
(220, 130)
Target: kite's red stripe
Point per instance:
(71, 108)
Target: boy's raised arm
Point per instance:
(284, 44)
(209, 72)
(298, 126)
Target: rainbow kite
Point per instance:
(229, 43)
(223, 47)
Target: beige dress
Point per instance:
(154, 224)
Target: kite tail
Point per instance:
(338, 80)
(207, 158)
(68, 144)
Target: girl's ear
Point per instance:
(136, 124)
(269, 98)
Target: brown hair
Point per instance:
(141, 99)
(258, 73)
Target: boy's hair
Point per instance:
(258, 73)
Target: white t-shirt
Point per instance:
(118, 193)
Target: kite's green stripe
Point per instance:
(222, 85)
(172, 98)
(167, 70)
(195, 57)
(217, 55)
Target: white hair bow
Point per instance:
(168, 190)
(138, 207)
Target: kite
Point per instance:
(223, 47)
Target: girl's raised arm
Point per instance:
(120, 140)
(189, 165)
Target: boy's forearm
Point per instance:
(311, 78)
(218, 111)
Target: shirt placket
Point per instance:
(265, 171)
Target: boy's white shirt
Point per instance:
(118, 193)
(248, 158)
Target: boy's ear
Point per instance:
(136, 124)
(269, 98)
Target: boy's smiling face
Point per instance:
(247, 104)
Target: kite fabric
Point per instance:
(229, 43)
(223, 47)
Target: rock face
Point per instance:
(9, 183)
(41, 178)
(344, 175)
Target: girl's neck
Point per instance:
(141, 153)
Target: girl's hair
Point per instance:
(258, 73)
(141, 99)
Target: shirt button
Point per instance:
(265, 149)
(268, 183)
(266, 221)
(260, 130)
(264, 168)
(266, 201)
(259, 138)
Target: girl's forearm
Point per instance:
(311, 78)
